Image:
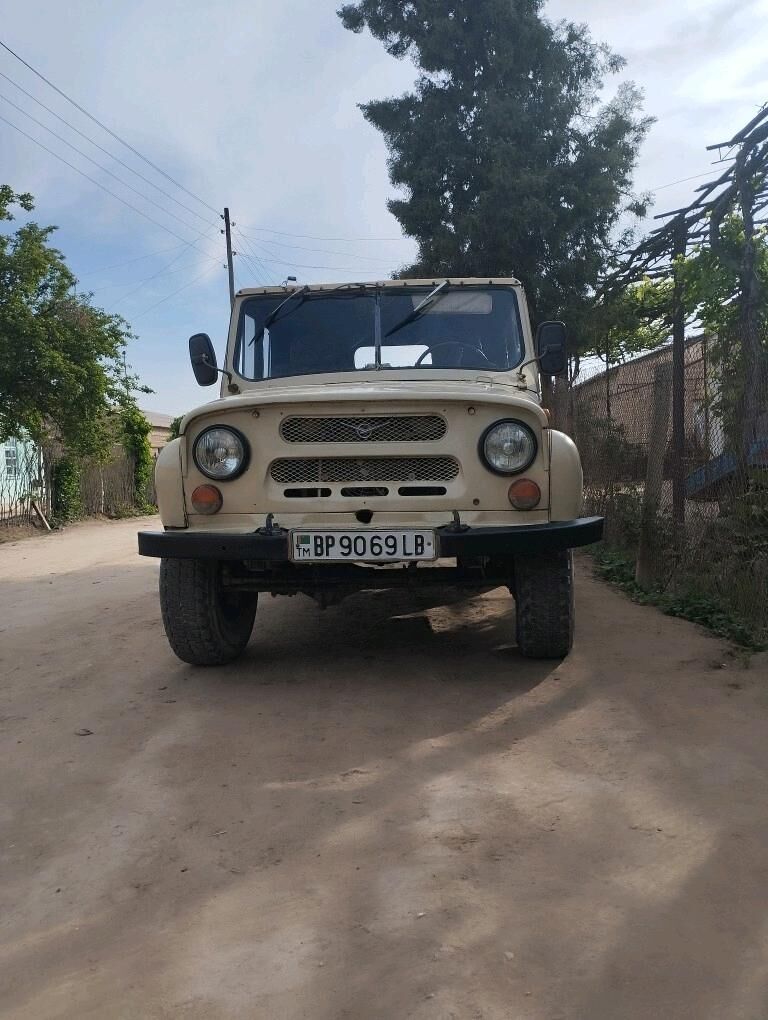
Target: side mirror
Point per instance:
(203, 358)
(550, 348)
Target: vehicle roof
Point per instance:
(456, 281)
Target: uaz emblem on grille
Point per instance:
(364, 429)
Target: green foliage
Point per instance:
(712, 294)
(67, 504)
(135, 431)
(627, 322)
(616, 567)
(626, 515)
(637, 318)
(175, 428)
(732, 556)
(605, 452)
(61, 368)
(508, 163)
(688, 604)
(711, 279)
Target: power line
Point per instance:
(250, 261)
(260, 272)
(256, 271)
(155, 276)
(102, 168)
(163, 269)
(323, 251)
(101, 148)
(105, 128)
(169, 296)
(128, 262)
(683, 180)
(312, 237)
(94, 181)
(306, 265)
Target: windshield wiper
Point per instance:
(417, 311)
(273, 314)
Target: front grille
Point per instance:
(400, 428)
(304, 470)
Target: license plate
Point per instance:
(370, 546)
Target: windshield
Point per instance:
(371, 330)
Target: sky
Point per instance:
(253, 105)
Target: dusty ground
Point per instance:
(381, 812)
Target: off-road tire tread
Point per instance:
(196, 629)
(544, 604)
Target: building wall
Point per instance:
(625, 394)
(19, 475)
(160, 430)
(158, 437)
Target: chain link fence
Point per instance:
(705, 538)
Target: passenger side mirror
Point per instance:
(203, 358)
(550, 348)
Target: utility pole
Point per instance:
(230, 267)
(125, 374)
(678, 384)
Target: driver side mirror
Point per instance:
(203, 358)
(550, 348)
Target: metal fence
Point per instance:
(689, 516)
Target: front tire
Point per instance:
(544, 604)
(205, 625)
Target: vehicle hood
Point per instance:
(372, 391)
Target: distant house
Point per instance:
(161, 430)
(21, 477)
(623, 399)
(624, 395)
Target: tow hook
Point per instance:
(270, 528)
(456, 526)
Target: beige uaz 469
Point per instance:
(370, 435)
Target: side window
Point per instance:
(253, 356)
(246, 349)
(11, 462)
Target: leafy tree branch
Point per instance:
(62, 372)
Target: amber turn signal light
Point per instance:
(206, 499)
(524, 494)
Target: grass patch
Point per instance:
(119, 513)
(619, 569)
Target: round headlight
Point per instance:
(508, 447)
(221, 453)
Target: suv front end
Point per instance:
(393, 436)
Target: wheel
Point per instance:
(544, 604)
(205, 625)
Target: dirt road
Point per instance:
(381, 812)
